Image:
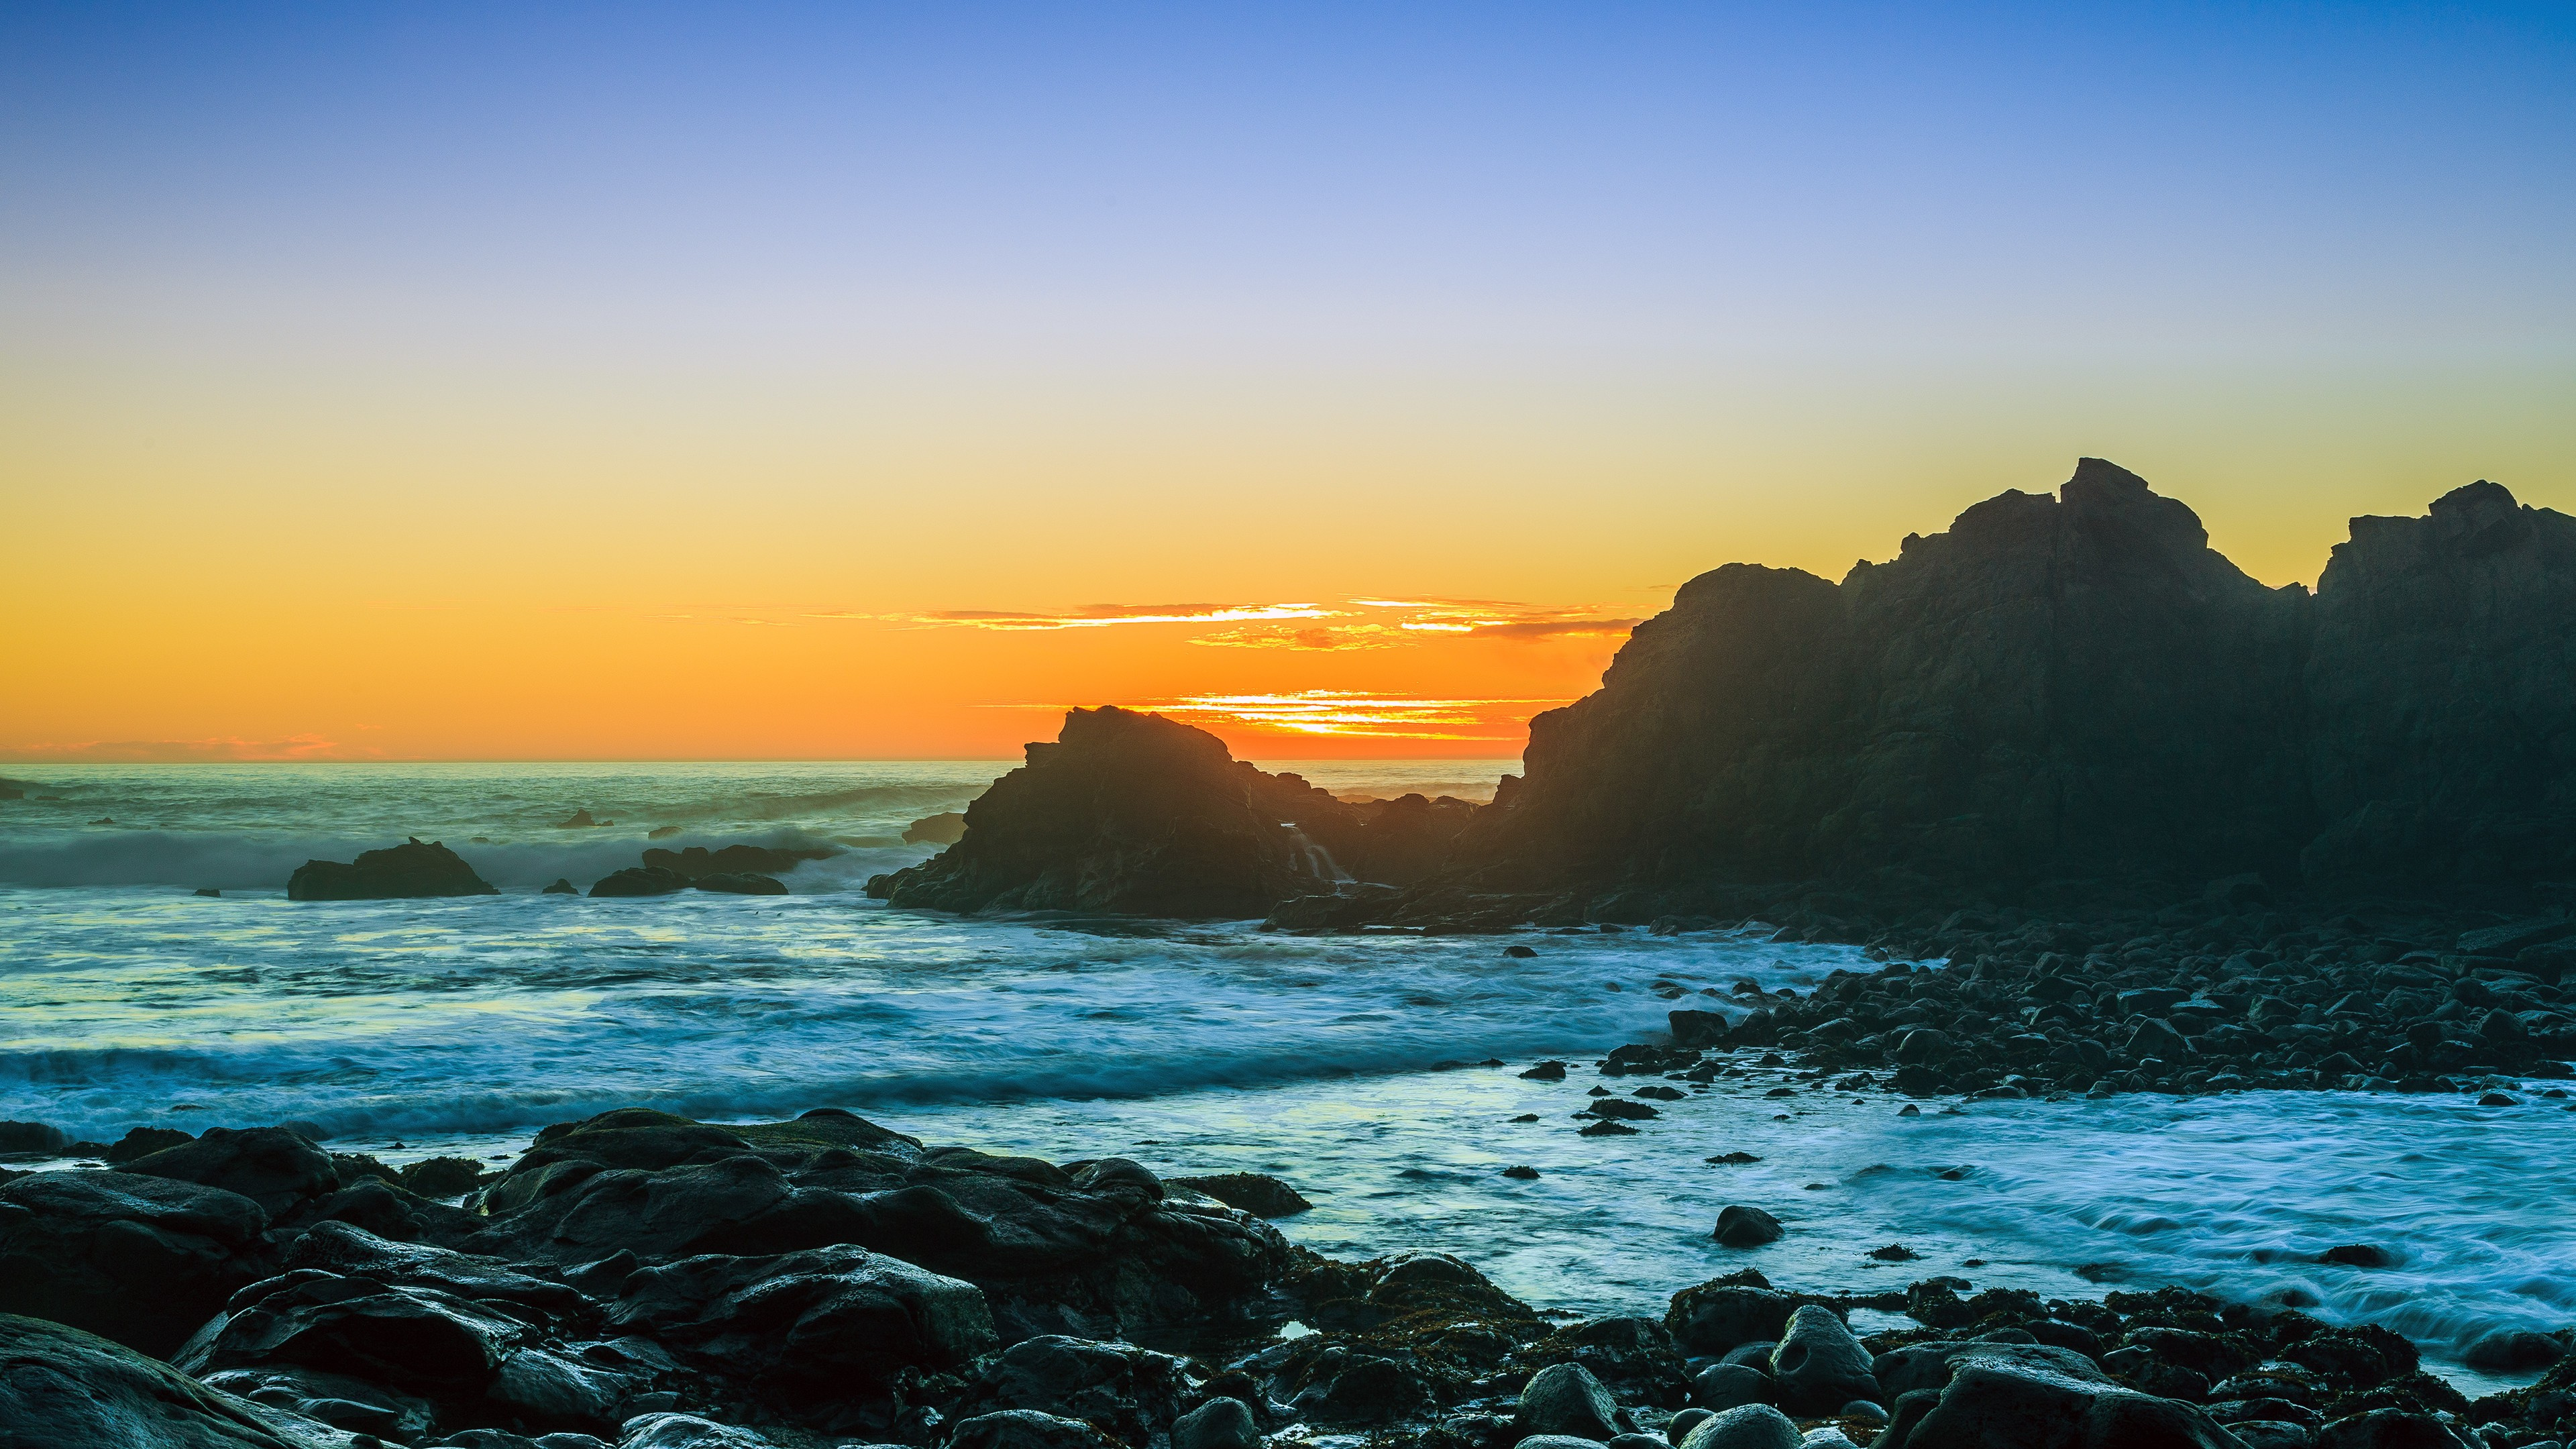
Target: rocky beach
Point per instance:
(2052, 823)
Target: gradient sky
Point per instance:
(644, 381)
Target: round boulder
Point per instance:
(1747, 1227)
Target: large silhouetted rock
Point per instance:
(2442, 695)
(402, 872)
(2055, 683)
(2077, 687)
(1135, 814)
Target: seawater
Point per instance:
(463, 1025)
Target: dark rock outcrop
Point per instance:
(35, 1138)
(741, 883)
(2441, 691)
(639, 880)
(1135, 814)
(61, 1388)
(945, 828)
(1095, 1252)
(697, 861)
(409, 871)
(141, 1260)
(2078, 687)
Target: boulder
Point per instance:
(1991, 1406)
(271, 1166)
(61, 1388)
(835, 1323)
(945, 828)
(1257, 1193)
(1819, 1366)
(741, 884)
(1566, 1399)
(697, 861)
(1099, 1252)
(403, 872)
(1747, 1227)
(1134, 1393)
(684, 1431)
(1754, 1426)
(1929, 1366)
(1219, 1423)
(639, 880)
(1723, 1386)
(1719, 1315)
(139, 1141)
(1026, 1429)
(141, 1260)
(414, 1340)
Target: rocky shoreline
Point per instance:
(649, 1282)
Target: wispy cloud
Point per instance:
(219, 750)
(1107, 616)
(1360, 623)
(1349, 714)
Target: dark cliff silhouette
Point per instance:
(2077, 687)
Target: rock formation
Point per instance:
(1136, 814)
(698, 861)
(2078, 688)
(945, 828)
(408, 871)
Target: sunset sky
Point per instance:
(636, 381)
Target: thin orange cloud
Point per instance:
(1346, 714)
(1374, 623)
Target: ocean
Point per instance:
(1352, 1066)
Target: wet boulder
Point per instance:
(741, 883)
(698, 863)
(334, 1399)
(408, 871)
(271, 1166)
(1566, 1399)
(61, 1388)
(683, 1431)
(1633, 1357)
(1722, 1386)
(1133, 1392)
(638, 881)
(353, 1252)
(141, 1260)
(1220, 1423)
(1718, 1315)
(1747, 1227)
(1027, 1429)
(1753, 1426)
(1818, 1365)
(1257, 1193)
(1990, 1406)
(945, 828)
(807, 1328)
(1929, 1366)
(415, 1340)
